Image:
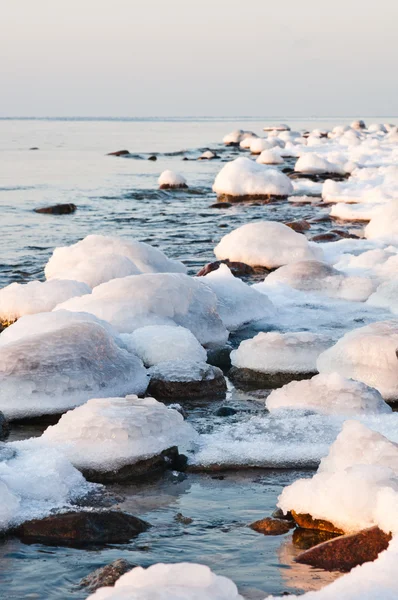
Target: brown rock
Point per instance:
(153, 157)
(106, 576)
(307, 538)
(167, 186)
(118, 153)
(307, 522)
(345, 234)
(299, 226)
(238, 269)
(270, 526)
(221, 205)
(82, 528)
(58, 209)
(326, 237)
(189, 390)
(261, 198)
(347, 551)
(248, 379)
(279, 514)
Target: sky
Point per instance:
(141, 58)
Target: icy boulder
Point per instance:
(368, 354)
(169, 180)
(244, 179)
(310, 163)
(355, 486)
(155, 344)
(258, 145)
(100, 258)
(155, 299)
(268, 157)
(185, 379)
(51, 362)
(266, 243)
(18, 299)
(384, 224)
(208, 155)
(238, 303)
(273, 359)
(111, 439)
(315, 276)
(329, 394)
(181, 581)
(386, 296)
(236, 137)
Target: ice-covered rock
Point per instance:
(311, 163)
(268, 157)
(236, 137)
(238, 303)
(180, 581)
(384, 224)
(258, 145)
(280, 127)
(315, 276)
(386, 296)
(266, 243)
(207, 155)
(155, 299)
(18, 299)
(100, 258)
(185, 379)
(169, 180)
(367, 354)
(243, 178)
(358, 125)
(328, 394)
(50, 362)
(107, 438)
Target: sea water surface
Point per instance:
(120, 196)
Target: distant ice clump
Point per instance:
(275, 352)
(158, 343)
(108, 433)
(367, 354)
(236, 137)
(315, 276)
(244, 177)
(268, 157)
(18, 299)
(266, 243)
(155, 299)
(313, 164)
(328, 394)
(238, 303)
(171, 179)
(100, 258)
(180, 581)
(50, 362)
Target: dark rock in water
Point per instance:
(345, 234)
(299, 226)
(307, 522)
(162, 389)
(82, 528)
(347, 551)
(185, 158)
(279, 514)
(34, 148)
(321, 219)
(247, 379)
(106, 576)
(326, 237)
(238, 269)
(153, 157)
(221, 205)
(4, 427)
(270, 526)
(168, 459)
(167, 186)
(118, 153)
(220, 357)
(308, 538)
(225, 411)
(261, 198)
(58, 209)
(181, 519)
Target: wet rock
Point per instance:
(57, 209)
(238, 269)
(34, 148)
(153, 157)
(308, 538)
(279, 514)
(213, 384)
(270, 526)
(181, 519)
(221, 205)
(82, 528)
(345, 234)
(326, 237)
(299, 226)
(220, 357)
(321, 219)
(106, 576)
(307, 522)
(168, 186)
(168, 459)
(4, 324)
(4, 427)
(347, 551)
(225, 411)
(260, 198)
(118, 153)
(247, 379)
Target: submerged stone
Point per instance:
(118, 153)
(247, 379)
(57, 209)
(307, 522)
(308, 538)
(106, 576)
(299, 226)
(269, 526)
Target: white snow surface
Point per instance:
(269, 157)
(313, 164)
(171, 179)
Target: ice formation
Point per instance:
(268, 157)
(50, 362)
(266, 243)
(157, 343)
(108, 433)
(384, 224)
(18, 299)
(155, 299)
(170, 179)
(244, 177)
(180, 581)
(275, 352)
(235, 137)
(184, 371)
(386, 296)
(99, 258)
(368, 354)
(328, 394)
(238, 303)
(313, 164)
(258, 145)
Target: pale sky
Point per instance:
(198, 57)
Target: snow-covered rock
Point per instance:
(207, 155)
(386, 296)
(186, 379)
(384, 224)
(311, 163)
(171, 180)
(258, 145)
(236, 137)
(268, 157)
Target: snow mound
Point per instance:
(386, 296)
(384, 224)
(207, 155)
(280, 127)
(313, 164)
(258, 145)
(266, 243)
(238, 303)
(245, 177)
(99, 258)
(180, 581)
(367, 354)
(236, 137)
(18, 299)
(155, 344)
(328, 394)
(108, 433)
(155, 299)
(268, 157)
(275, 352)
(51, 362)
(170, 179)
